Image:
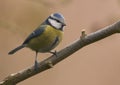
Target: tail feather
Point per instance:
(16, 49)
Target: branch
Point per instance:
(62, 54)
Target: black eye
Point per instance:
(58, 21)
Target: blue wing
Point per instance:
(35, 33)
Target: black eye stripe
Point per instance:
(55, 19)
(58, 21)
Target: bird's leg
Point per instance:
(36, 63)
(54, 53)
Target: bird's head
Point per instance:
(57, 21)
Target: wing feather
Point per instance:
(35, 33)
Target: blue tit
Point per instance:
(46, 37)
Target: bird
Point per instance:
(45, 37)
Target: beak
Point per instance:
(64, 24)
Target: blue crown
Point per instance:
(58, 15)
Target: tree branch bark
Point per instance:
(62, 54)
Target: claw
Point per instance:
(54, 53)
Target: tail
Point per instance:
(16, 49)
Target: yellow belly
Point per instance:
(43, 42)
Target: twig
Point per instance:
(62, 54)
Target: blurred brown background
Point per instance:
(96, 64)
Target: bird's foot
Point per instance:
(54, 53)
(36, 65)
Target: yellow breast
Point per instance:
(43, 42)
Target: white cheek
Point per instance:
(55, 23)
